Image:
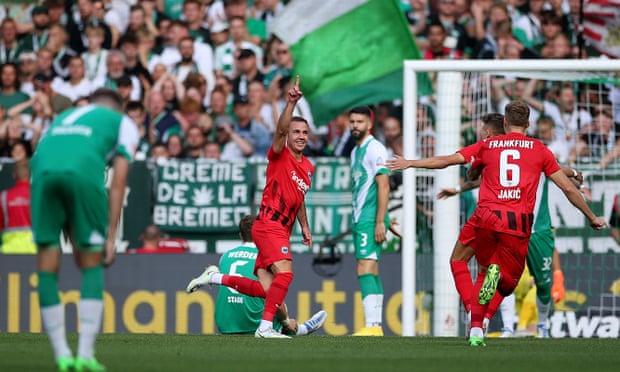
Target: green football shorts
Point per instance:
(68, 202)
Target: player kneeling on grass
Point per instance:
(238, 313)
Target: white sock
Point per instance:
(91, 314)
(378, 310)
(507, 309)
(543, 311)
(216, 278)
(485, 326)
(265, 325)
(302, 330)
(370, 308)
(476, 332)
(54, 324)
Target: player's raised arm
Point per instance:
(436, 162)
(279, 137)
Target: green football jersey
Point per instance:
(367, 161)
(542, 217)
(82, 140)
(236, 312)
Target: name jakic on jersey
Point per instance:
(301, 184)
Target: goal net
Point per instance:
(576, 111)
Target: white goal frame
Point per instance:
(446, 316)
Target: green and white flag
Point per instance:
(347, 52)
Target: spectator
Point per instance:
(43, 84)
(27, 69)
(10, 93)
(199, 83)
(283, 62)
(9, 47)
(567, 117)
(416, 17)
(340, 141)
(392, 131)
(545, 132)
(266, 11)
(170, 55)
(195, 141)
(20, 151)
(232, 145)
(76, 85)
(551, 26)
(114, 14)
(161, 120)
(176, 150)
(12, 131)
(211, 151)
(32, 126)
(218, 105)
(559, 48)
(159, 151)
(457, 37)
(260, 110)
(146, 46)
(95, 57)
(187, 64)
(139, 22)
(133, 63)
(56, 11)
(596, 140)
(136, 111)
(85, 16)
(252, 130)
(528, 28)
(56, 43)
(150, 238)
(436, 36)
(226, 53)
(44, 62)
(15, 220)
(115, 66)
(194, 15)
(255, 28)
(35, 40)
(219, 33)
(248, 72)
(172, 90)
(124, 86)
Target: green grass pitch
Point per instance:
(178, 353)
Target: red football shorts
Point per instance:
(491, 246)
(274, 244)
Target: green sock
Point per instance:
(379, 284)
(368, 284)
(48, 289)
(92, 283)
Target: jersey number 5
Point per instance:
(509, 173)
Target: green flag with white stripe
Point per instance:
(347, 52)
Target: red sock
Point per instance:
(494, 305)
(462, 280)
(276, 294)
(477, 310)
(246, 286)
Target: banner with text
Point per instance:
(202, 196)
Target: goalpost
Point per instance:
(446, 213)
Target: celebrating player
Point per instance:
(511, 166)
(371, 189)
(288, 180)
(68, 193)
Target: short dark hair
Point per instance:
(363, 110)
(245, 228)
(107, 94)
(517, 113)
(134, 105)
(494, 122)
(299, 118)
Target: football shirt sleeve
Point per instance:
(128, 138)
(471, 152)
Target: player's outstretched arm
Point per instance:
(284, 122)
(451, 191)
(116, 196)
(436, 162)
(574, 196)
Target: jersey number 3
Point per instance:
(509, 173)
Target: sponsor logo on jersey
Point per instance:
(301, 184)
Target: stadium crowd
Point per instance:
(207, 78)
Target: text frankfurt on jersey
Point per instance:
(511, 143)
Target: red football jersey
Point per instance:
(288, 180)
(512, 164)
